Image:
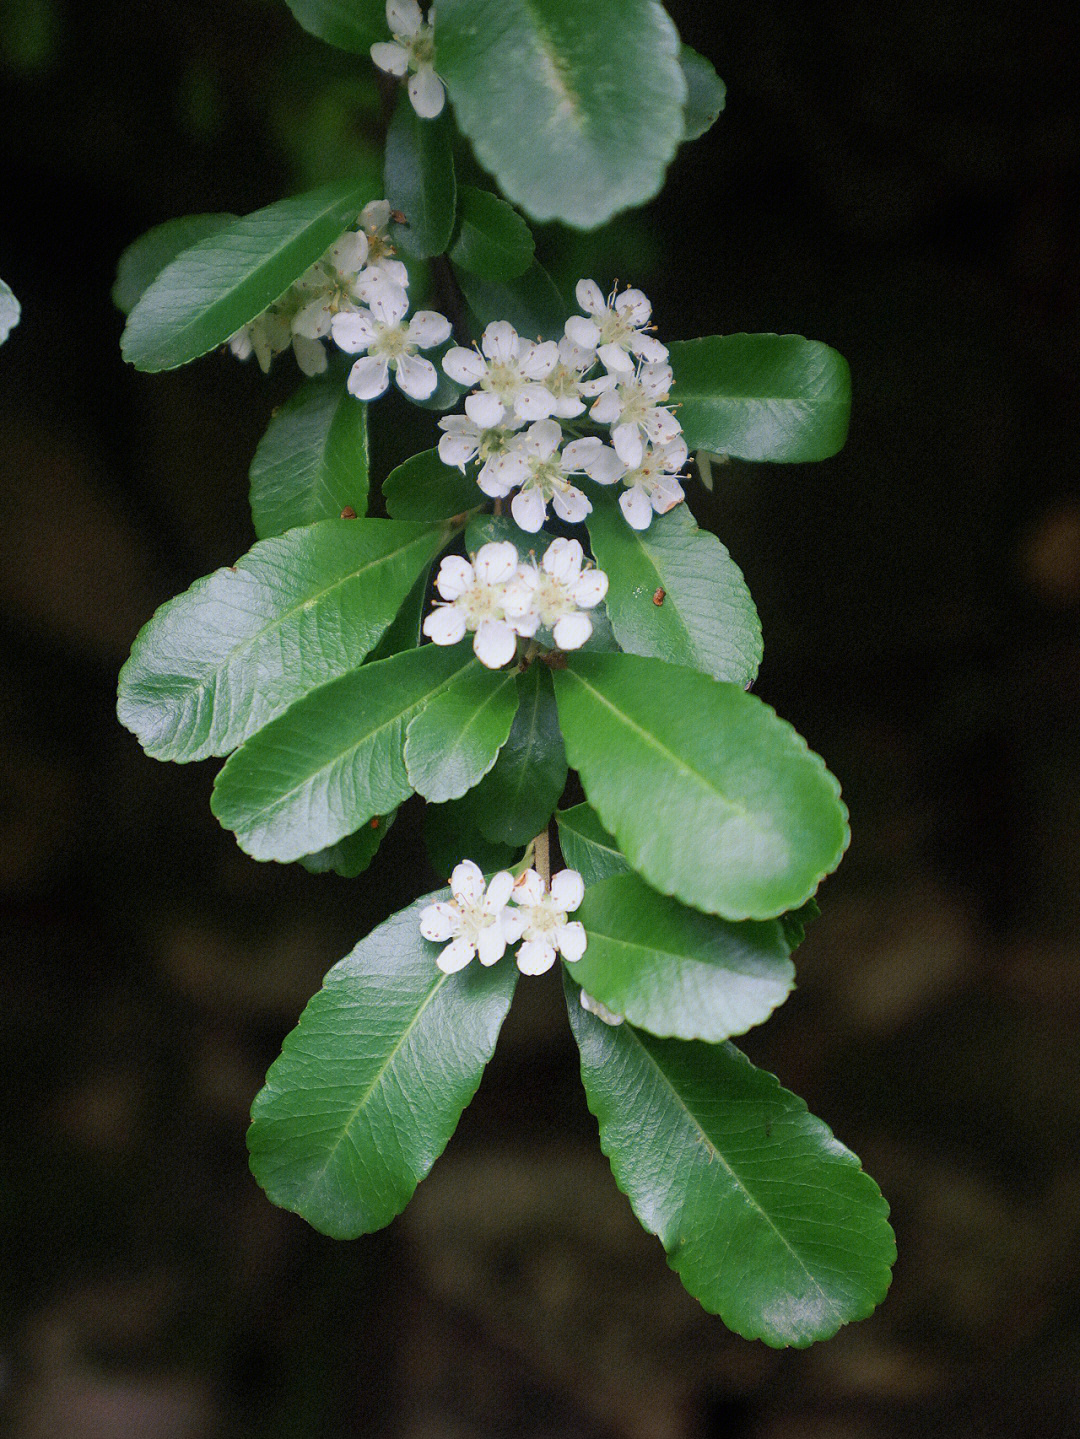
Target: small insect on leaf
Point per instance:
(398, 218)
(376, 821)
(348, 513)
(659, 596)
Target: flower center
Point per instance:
(543, 920)
(422, 47)
(482, 602)
(546, 476)
(391, 341)
(552, 599)
(502, 378)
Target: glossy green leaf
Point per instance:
(531, 302)
(762, 397)
(423, 488)
(796, 921)
(452, 833)
(710, 795)
(587, 846)
(675, 971)
(706, 618)
(238, 647)
(420, 180)
(493, 241)
(706, 93)
(145, 258)
(576, 109)
(349, 24)
(312, 463)
(351, 855)
(371, 1083)
(213, 289)
(501, 529)
(333, 760)
(516, 799)
(454, 740)
(10, 310)
(766, 1218)
(406, 632)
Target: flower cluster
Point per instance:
(514, 382)
(485, 919)
(412, 48)
(498, 598)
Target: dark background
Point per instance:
(898, 180)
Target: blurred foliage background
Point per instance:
(899, 181)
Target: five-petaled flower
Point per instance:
(476, 601)
(390, 345)
(545, 929)
(653, 485)
(476, 921)
(464, 440)
(507, 372)
(633, 404)
(412, 48)
(616, 331)
(554, 593)
(534, 462)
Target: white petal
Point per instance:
(507, 470)
(404, 17)
(369, 377)
(567, 889)
(529, 510)
(445, 625)
(536, 956)
(467, 883)
(518, 597)
(527, 624)
(456, 955)
(492, 479)
(563, 558)
(656, 380)
(389, 303)
(491, 943)
(568, 407)
(571, 632)
(352, 332)
(633, 307)
(666, 494)
(426, 93)
(495, 643)
(571, 940)
(533, 402)
(599, 386)
(636, 508)
(512, 924)
(440, 921)
(589, 297)
(417, 377)
(313, 321)
(674, 455)
(543, 438)
(427, 328)
(375, 215)
(582, 332)
(389, 272)
(457, 450)
(464, 366)
(498, 891)
(629, 446)
(661, 426)
(614, 358)
(536, 362)
(390, 57)
(590, 589)
(484, 409)
(578, 453)
(529, 888)
(608, 407)
(571, 505)
(454, 578)
(310, 355)
(650, 349)
(573, 356)
(349, 254)
(600, 1010)
(495, 563)
(605, 467)
(240, 344)
(499, 341)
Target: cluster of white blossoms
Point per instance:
(485, 919)
(516, 383)
(499, 599)
(412, 49)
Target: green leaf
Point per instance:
(351, 855)
(710, 795)
(406, 632)
(501, 529)
(766, 1218)
(493, 241)
(517, 798)
(451, 833)
(10, 310)
(576, 109)
(333, 760)
(423, 488)
(209, 292)
(420, 180)
(349, 24)
(587, 846)
(674, 971)
(706, 618)
(312, 462)
(705, 93)
(454, 740)
(238, 647)
(531, 302)
(762, 397)
(796, 921)
(145, 258)
(371, 1083)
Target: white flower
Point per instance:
(506, 373)
(413, 48)
(633, 405)
(617, 328)
(476, 601)
(380, 267)
(327, 287)
(475, 921)
(544, 927)
(593, 1006)
(390, 344)
(554, 594)
(464, 440)
(653, 485)
(533, 461)
(564, 382)
(264, 337)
